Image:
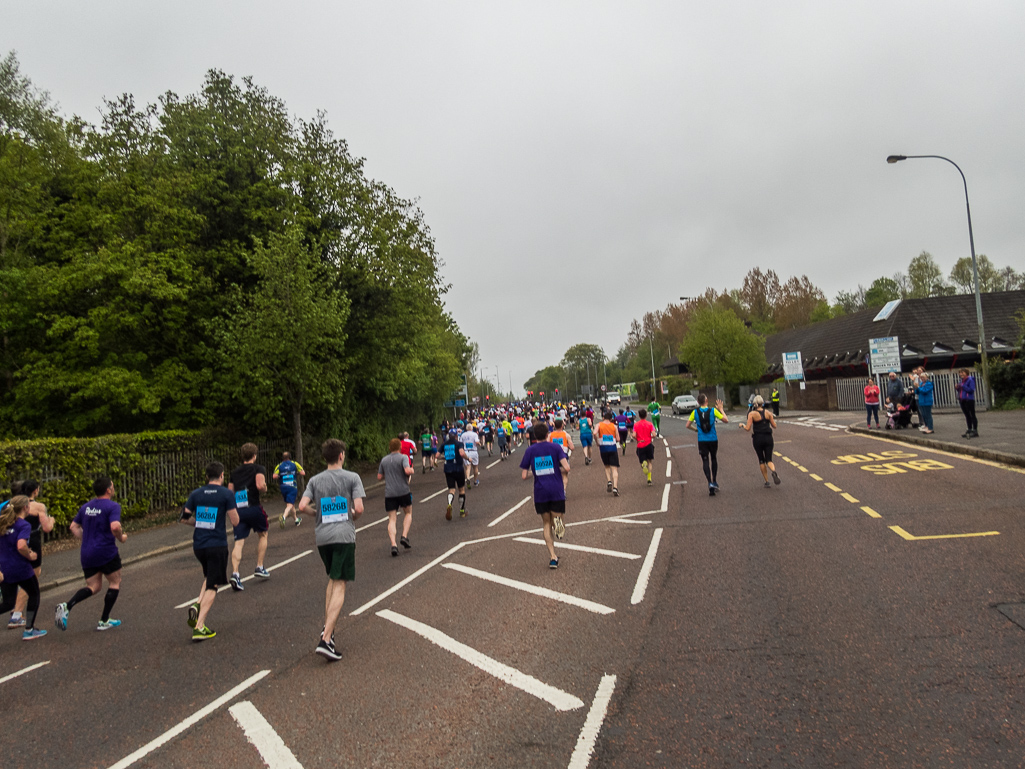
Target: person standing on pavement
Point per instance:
(872, 402)
(894, 388)
(775, 401)
(966, 397)
(337, 496)
(16, 564)
(98, 525)
(247, 481)
(761, 425)
(702, 420)
(39, 521)
(924, 388)
(550, 466)
(285, 474)
(395, 470)
(206, 510)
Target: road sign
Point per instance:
(455, 404)
(603, 388)
(884, 354)
(792, 368)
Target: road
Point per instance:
(863, 613)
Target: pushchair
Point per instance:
(903, 418)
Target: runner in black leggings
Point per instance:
(761, 424)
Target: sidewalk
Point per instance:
(65, 567)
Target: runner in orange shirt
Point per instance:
(608, 448)
(561, 438)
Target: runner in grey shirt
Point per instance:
(395, 470)
(336, 496)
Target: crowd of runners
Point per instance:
(335, 499)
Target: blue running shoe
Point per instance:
(61, 616)
(32, 635)
(110, 623)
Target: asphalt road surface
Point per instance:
(864, 613)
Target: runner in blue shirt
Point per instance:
(285, 474)
(702, 420)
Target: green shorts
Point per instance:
(339, 560)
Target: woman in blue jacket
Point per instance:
(966, 397)
(924, 389)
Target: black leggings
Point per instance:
(968, 407)
(763, 448)
(9, 591)
(708, 451)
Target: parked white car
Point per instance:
(613, 399)
(684, 404)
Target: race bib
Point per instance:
(608, 440)
(469, 446)
(544, 466)
(206, 517)
(334, 510)
(242, 498)
(287, 480)
(558, 441)
(450, 453)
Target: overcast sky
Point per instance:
(591, 161)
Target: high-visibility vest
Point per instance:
(775, 396)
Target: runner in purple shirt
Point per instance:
(16, 564)
(98, 525)
(548, 463)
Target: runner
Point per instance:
(586, 438)
(471, 458)
(609, 452)
(761, 424)
(455, 473)
(247, 481)
(39, 521)
(337, 496)
(507, 428)
(408, 447)
(206, 510)
(489, 435)
(503, 444)
(395, 470)
(655, 410)
(702, 421)
(542, 459)
(16, 561)
(426, 450)
(644, 431)
(284, 473)
(622, 424)
(98, 525)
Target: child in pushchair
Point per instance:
(891, 415)
(903, 418)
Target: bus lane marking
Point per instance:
(911, 537)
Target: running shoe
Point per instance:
(110, 623)
(615, 491)
(559, 526)
(711, 490)
(608, 487)
(405, 543)
(32, 635)
(281, 521)
(202, 633)
(448, 513)
(649, 481)
(644, 467)
(462, 512)
(775, 478)
(236, 583)
(17, 620)
(394, 552)
(423, 470)
(193, 615)
(327, 649)
(714, 485)
(298, 520)
(61, 616)
(261, 572)
(476, 483)
(553, 564)
(768, 485)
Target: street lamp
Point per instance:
(975, 264)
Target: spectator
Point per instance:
(924, 390)
(872, 402)
(895, 388)
(966, 397)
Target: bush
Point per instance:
(1008, 381)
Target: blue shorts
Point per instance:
(586, 440)
(289, 493)
(250, 519)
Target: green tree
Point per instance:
(881, 291)
(924, 276)
(963, 275)
(720, 349)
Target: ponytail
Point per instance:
(9, 512)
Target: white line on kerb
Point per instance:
(582, 548)
(509, 512)
(23, 671)
(544, 592)
(407, 580)
(272, 748)
(592, 724)
(559, 699)
(435, 494)
(196, 717)
(649, 562)
(222, 588)
(669, 469)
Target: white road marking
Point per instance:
(493, 463)
(649, 562)
(435, 494)
(272, 748)
(361, 528)
(665, 500)
(667, 452)
(624, 520)
(592, 724)
(526, 587)
(559, 699)
(407, 580)
(195, 718)
(222, 588)
(669, 469)
(582, 548)
(23, 671)
(509, 512)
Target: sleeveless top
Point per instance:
(761, 426)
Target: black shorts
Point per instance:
(610, 458)
(489, 439)
(394, 503)
(339, 560)
(708, 447)
(250, 519)
(214, 561)
(550, 507)
(456, 479)
(114, 564)
(763, 448)
(646, 453)
(38, 550)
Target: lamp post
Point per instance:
(975, 264)
(654, 384)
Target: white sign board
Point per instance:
(885, 354)
(792, 368)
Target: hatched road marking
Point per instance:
(544, 592)
(272, 748)
(29, 669)
(584, 549)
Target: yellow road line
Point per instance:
(777, 453)
(816, 477)
(802, 468)
(912, 537)
(849, 498)
(871, 512)
(966, 457)
(831, 487)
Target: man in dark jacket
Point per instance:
(895, 389)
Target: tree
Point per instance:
(924, 276)
(720, 349)
(881, 291)
(797, 300)
(760, 295)
(848, 302)
(963, 275)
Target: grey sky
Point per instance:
(597, 160)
